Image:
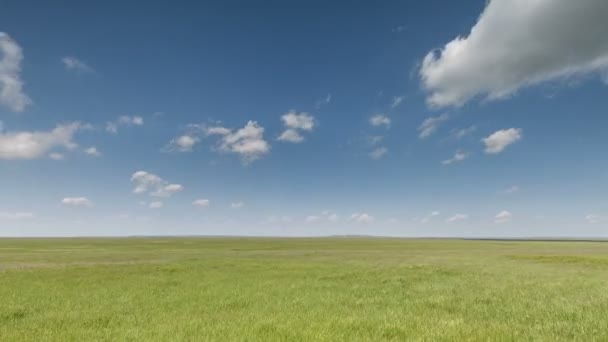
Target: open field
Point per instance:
(325, 289)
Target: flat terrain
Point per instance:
(325, 289)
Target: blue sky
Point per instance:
(298, 118)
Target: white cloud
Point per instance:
(362, 218)
(201, 203)
(153, 185)
(237, 205)
(457, 217)
(378, 153)
(333, 217)
(430, 125)
(92, 151)
(16, 215)
(593, 219)
(503, 217)
(499, 140)
(183, 143)
(295, 123)
(397, 100)
(512, 189)
(156, 205)
(291, 135)
(380, 120)
(56, 156)
(518, 43)
(248, 142)
(32, 145)
(11, 86)
(77, 202)
(302, 121)
(458, 157)
(125, 120)
(312, 219)
(463, 132)
(428, 218)
(73, 63)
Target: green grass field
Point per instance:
(325, 289)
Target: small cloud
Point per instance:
(74, 64)
(56, 156)
(183, 143)
(295, 123)
(457, 217)
(156, 205)
(428, 218)
(125, 120)
(430, 125)
(463, 132)
(153, 185)
(499, 140)
(503, 217)
(397, 100)
(201, 203)
(77, 202)
(362, 218)
(92, 151)
(33, 145)
(399, 29)
(237, 205)
(248, 142)
(593, 219)
(512, 189)
(16, 215)
(322, 102)
(458, 157)
(291, 135)
(312, 219)
(378, 153)
(380, 120)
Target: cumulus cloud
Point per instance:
(248, 142)
(125, 120)
(294, 124)
(32, 145)
(20, 215)
(201, 203)
(362, 218)
(457, 217)
(77, 202)
(512, 189)
(378, 153)
(430, 125)
(149, 183)
(183, 143)
(499, 140)
(515, 44)
(458, 157)
(11, 85)
(74, 64)
(503, 217)
(92, 151)
(291, 135)
(380, 120)
(156, 205)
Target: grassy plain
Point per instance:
(323, 289)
